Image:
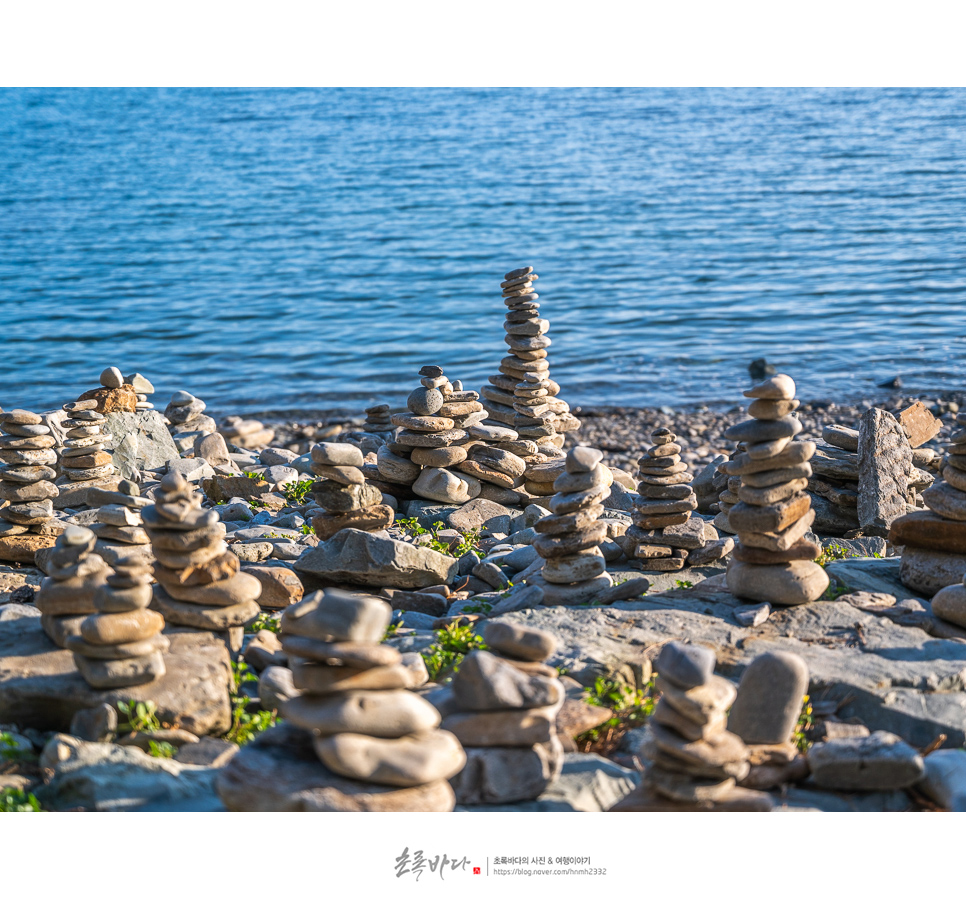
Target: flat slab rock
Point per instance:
(279, 771)
(890, 677)
(41, 688)
(587, 782)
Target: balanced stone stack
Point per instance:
(503, 708)
(379, 422)
(728, 487)
(574, 570)
(200, 585)
(693, 761)
(435, 434)
(342, 492)
(663, 530)
(121, 645)
(522, 395)
(246, 433)
(86, 459)
(142, 388)
(355, 699)
(74, 576)
(120, 536)
(27, 486)
(934, 541)
(774, 561)
(185, 415)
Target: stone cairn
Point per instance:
(774, 559)
(86, 459)
(142, 388)
(379, 422)
(435, 435)
(27, 477)
(663, 530)
(120, 536)
(574, 570)
(342, 492)
(502, 706)
(74, 576)
(187, 422)
(934, 540)
(199, 582)
(692, 761)
(522, 395)
(728, 492)
(355, 700)
(121, 645)
(246, 433)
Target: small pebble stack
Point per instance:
(575, 569)
(728, 494)
(200, 584)
(436, 437)
(522, 395)
(693, 761)
(75, 574)
(247, 433)
(342, 491)
(663, 530)
(120, 536)
(356, 701)
(379, 421)
(946, 519)
(502, 705)
(185, 415)
(142, 388)
(121, 645)
(27, 483)
(86, 457)
(774, 559)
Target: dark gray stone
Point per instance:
(141, 442)
(885, 465)
(685, 666)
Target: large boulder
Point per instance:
(40, 685)
(141, 441)
(358, 558)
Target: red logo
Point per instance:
(476, 870)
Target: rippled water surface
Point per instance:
(290, 249)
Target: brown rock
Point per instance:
(118, 399)
(919, 424)
(280, 585)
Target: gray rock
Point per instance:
(194, 469)
(518, 641)
(626, 590)
(275, 686)
(111, 777)
(492, 575)
(484, 682)
(945, 779)
(587, 782)
(482, 515)
(497, 775)
(359, 558)
(142, 441)
(520, 559)
(881, 761)
(520, 597)
(769, 699)
(885, 465)
(703, 484)
(685, 666)
(96, 724)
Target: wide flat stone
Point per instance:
(141, 441)
(41, 687)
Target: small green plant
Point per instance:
(805, 723)
(141, 716)
(161, 749)
(16, 800)
(480, 606)
(264, 620)
(681, 583)
(258, 477)
(468, 541)
(391, 630)
(307, 529)
(245, 725)
(835, 552)
(9, 749)
(834, 591)
(452, 643)
(632, 708)
(297, 491)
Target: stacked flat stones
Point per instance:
(522, 395)
(121, 645)
(142, 388)
(379, 422)
(86, 459)
(728, 496)
(935, 540)
(663, 530)
(199, 582)
(774, 559)
(26, 477)
(692, 758)
(185, 415)
(74, 575)
(355, 700)
(120, 536)
(342, 492)
(436, 437)
(574, 570)
(503, 710)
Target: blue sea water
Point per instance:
(301, 249)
